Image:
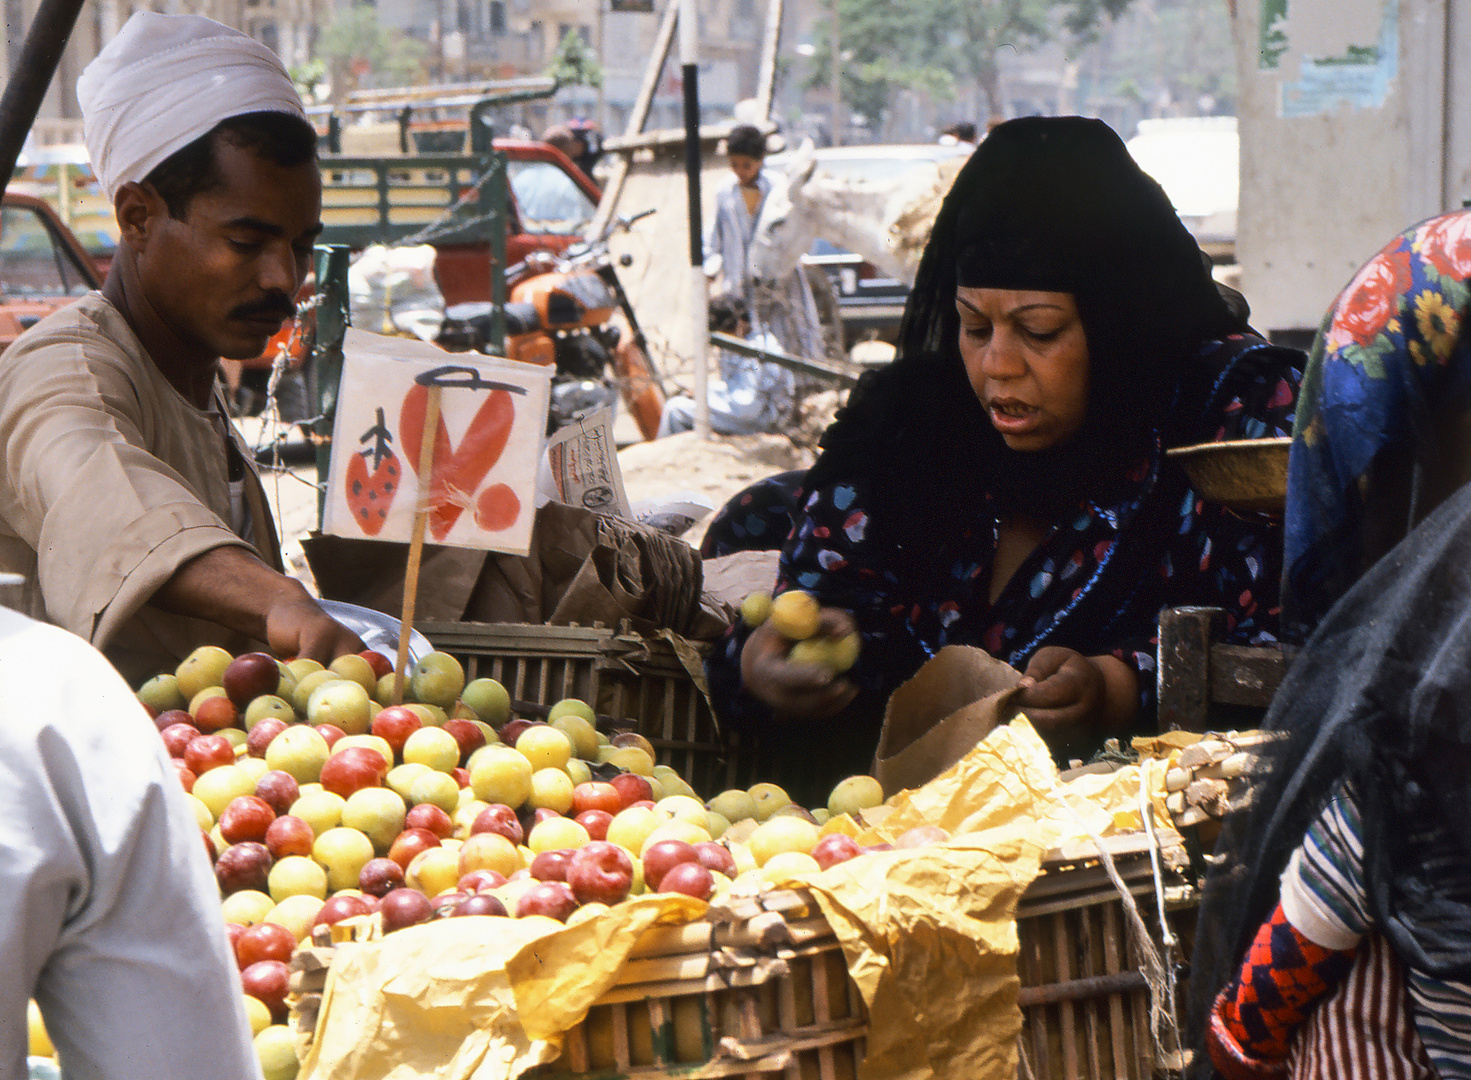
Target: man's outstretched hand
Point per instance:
(230, 586)
(298, 627)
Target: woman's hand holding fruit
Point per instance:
(1066, 694)
(795, 656)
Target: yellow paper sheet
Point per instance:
(930, 939)
(429, 1001)
(558, 977)
(435, 1002)
(929, 935)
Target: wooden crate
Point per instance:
(1085, 1002)
(760, 988)
(1205, 684)
(757, 989)
(632, 682)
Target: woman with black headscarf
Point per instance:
(1003, 483)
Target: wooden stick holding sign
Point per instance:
(416, 540)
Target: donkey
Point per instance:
(887, 222)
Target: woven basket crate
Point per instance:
(632, 682)
(759, 988)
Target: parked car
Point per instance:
(42, 265)
(63, 176)
(870, 302)
(1196, 160)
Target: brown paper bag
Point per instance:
(584, 569)
(939, 715)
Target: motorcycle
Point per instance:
(563, 310)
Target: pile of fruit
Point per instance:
(319, 801)
(797, 617)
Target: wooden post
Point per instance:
(637, 118)
(416, 540)
(324, 375)
(26, 87)
(770, 45)
(1185, 636)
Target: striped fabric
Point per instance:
(1364, 1031)
(1322, 887)
(1323, 897)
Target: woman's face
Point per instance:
(1027, 359)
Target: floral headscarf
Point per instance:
(1383, 415)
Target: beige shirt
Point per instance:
(110, 480)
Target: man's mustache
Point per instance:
(277, 306)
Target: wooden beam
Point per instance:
(1185, 636)
(821, 369)
(643, 103)
(27, 85)
(766, 73)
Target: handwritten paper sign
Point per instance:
(581, 465)
(486, 445)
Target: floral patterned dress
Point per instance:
(1096, 583)
(1383, 431)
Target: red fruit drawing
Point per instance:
(458, 470)
(370, 492)
(497, 508)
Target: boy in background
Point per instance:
(785, 309)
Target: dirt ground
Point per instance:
(715, 468)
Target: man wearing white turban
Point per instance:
(127, 498)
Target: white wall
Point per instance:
(1352, 128)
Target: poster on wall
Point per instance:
(486, 445)
(1347, 56)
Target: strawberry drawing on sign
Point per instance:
(458, 470)
(370, 492)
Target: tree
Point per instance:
(1172, 55)
(312, 80)
(361, 53)
(574, 64)
(935, 45)
(884, 49)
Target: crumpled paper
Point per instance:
(437, 1002)
(917, 924)
(929, 936)
(558, 978)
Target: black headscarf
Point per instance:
(1379, 698)
(1053, 203)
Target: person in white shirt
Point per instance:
(749, 395)
(110, 917)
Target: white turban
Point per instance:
(164, 81)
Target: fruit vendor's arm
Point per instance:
(232, 587)
(115, 486)
(111, 918)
